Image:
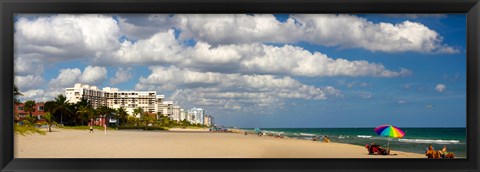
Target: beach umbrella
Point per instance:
(257, 130)
(389, 131)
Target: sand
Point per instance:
(180, 143)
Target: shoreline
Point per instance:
(181, 143)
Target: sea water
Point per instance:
(416, 140)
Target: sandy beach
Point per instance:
(180, 143)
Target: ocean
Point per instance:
(415, 140)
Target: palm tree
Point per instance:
(16, 93)
(62, 106)
(137, 112)
(83, 111)
(49, 119)
(29, 107)
(122, 115)
(49, 106)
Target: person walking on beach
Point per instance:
(105, 128)
(91, 129)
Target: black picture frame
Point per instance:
(9, 7)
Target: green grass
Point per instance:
(27, 130)
(84, 127)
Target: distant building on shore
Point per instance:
(183, 115)
(176, 113)
(208, 120)
(197, 115)
(21, 114)
(114, 98)
(149, 101)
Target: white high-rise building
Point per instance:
(183, 115)
(176, 113)
(197, 115)
(91, 93)
(149, 101)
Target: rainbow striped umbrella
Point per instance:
(389, 131)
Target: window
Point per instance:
(20, 108)
(40, 108)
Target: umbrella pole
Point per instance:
(388, 145)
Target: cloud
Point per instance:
(66, 78)
(231, 90)
(38, 95)
(401, 101)
(64, 37)
(161, 48)
(141, 26)
(344, 31)
(28, 65)
(93, 75)
(164, 49)
(28, 81)
(122, 75)
(366, 95)
(440, 87)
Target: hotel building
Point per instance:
(208, 120)
(197, 115)
(114, 98)
(149, 101)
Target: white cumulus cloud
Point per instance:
(231, 90)
(440, 87)
(122, 75)
(93, 75)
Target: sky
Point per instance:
(259, 70)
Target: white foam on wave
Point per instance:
(307, 134)
(364, 136)
(273, 132)
(429, 141)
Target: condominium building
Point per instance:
(183, 115)
(208, 120)
(130, 100)
(176, 113)
(149, 101)
(91, 93)
(197, 115)
(115, 98)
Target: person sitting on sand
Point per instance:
(370, 147)
(444, 154)
(430, 152)
(326, 139)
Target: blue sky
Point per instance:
(259, 70)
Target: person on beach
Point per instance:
(444, 154)
(326, 139)
(430, 152)
(91, 129)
